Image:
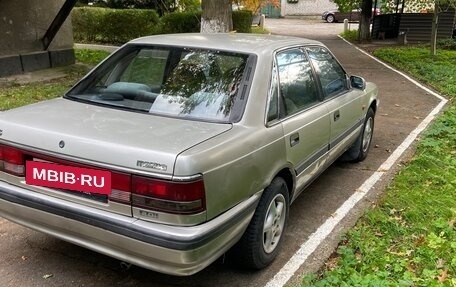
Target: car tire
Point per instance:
(358, 151)
(261, 241)
(330, 18)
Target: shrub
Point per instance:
(188, 22)
(242, 21)
(447, 44)
(180, 22)
(117, 26)
(350, 35)
(113, 26)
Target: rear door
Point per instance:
(304, 116)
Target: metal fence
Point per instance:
(417, 26)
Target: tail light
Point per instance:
(168, 196)
(159, 195)
(12, 160)
(120, 187)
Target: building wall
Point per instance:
(22, 25)
(306, 7)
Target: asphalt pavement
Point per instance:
(30, 258)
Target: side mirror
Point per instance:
(357, 82)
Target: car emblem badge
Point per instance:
(152, 165)
(61, 144)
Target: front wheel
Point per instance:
(358, 151)
(260, 243)
(330, 18)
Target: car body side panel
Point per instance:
(308, 155)
(352, 16)
(245, 159)
(346, 115)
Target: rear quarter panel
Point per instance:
(235, 165)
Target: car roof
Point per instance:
(240, 42)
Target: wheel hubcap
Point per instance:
(367, 136)
(274, 223)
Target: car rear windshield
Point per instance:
(169, 81)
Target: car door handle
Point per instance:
(336, 115)
(294, 139)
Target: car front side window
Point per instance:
(333, 79)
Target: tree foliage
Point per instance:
(347, 5)
(256, 5)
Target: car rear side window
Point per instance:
(169, 81)
(332, 77)
(298, 88)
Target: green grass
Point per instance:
(350, 35)
(259, 30)
(16, 95)
(438, 72)
(409, 237)
(90, 57)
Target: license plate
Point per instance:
(68, 177)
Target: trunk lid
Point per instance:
(105, 135)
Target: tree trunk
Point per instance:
(365, 21)
(435, 22)
(216, 16)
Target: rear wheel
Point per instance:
(261, 241)
(330, 18)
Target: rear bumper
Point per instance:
(175, 250)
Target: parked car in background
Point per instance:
(332, 16)
(178, 147)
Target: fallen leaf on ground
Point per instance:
(442, 277)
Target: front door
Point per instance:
(346, 113)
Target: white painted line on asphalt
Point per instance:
(318, 237)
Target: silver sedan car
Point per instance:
(177, 148)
